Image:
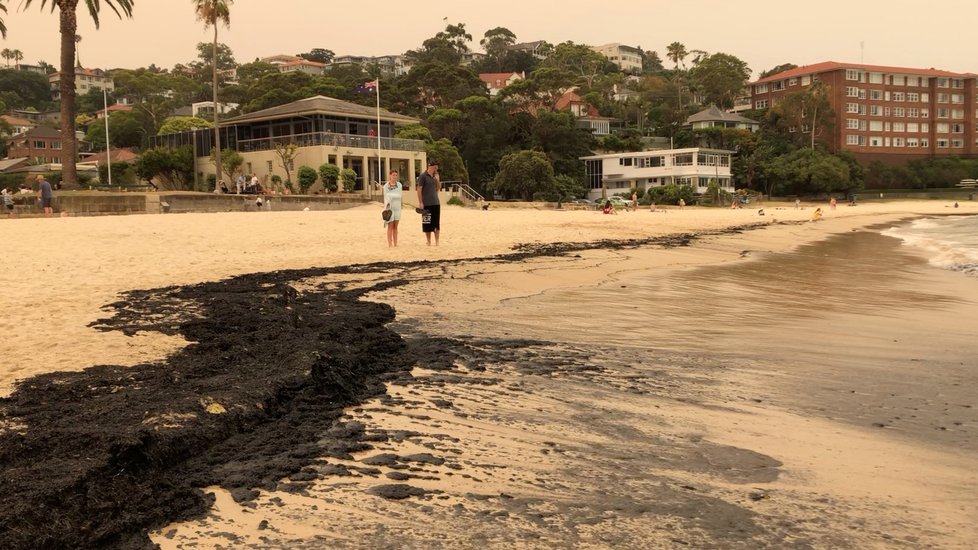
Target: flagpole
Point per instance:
(108, 148)
(380, 162)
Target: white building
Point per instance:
(618, 172)
(627, 58)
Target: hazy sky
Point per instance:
(763, 33)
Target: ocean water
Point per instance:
(950, 242)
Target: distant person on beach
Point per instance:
(8, 202)
(797, 204)
(429, 182)
(393, 195)
(44, 195)
(634, 201)
(832, 203)
(652, 206)
(760, 212)
(816, 214)
(682, 204)
(609, 208)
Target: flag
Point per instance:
(366, 87)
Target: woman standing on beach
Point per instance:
(392, 198)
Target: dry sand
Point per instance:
(621, 444)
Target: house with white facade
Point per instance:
(85, 80)
(495, 82)
(619, 172)
(713, 117)
(628, 58)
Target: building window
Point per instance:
(852, 139)
(913, 97)
(942, 98)
(852, 74)
(806, 80)
(625, 161)
(942, 127)
(913, 127)
(912, 142)
(898, 111)
(943, 112)
(862, 94)
(852, 107)
(875, 141)
(899, 80)
(957, 99)
(792, 82)
(683, 160)
(913, 112)
(876, 126)
(875, 78)
(957, 143)
(957, 83)
(876, 95)
(760, 104)
(924, 142)
(38, 144)
(852, 123)
(898, 96)
(898, 126)
(268, 166)
(898, 142)
(942, 83)
(924, 127)
(760, 89)
(777, 86)
(925, 113)
(957, 114)
(56, 145)
(924, 97)
(957, 128)
(852, 91)
(942, 143)
(875, 110)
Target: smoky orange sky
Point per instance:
(763, 33)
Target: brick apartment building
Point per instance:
(890, 114)
(40, 144)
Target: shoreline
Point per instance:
(411, 286)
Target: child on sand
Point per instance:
(8, 203)
(816, 214)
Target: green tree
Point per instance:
(155, 95)
(329, 173)
(22, 89)
(584, 64)
(124, 131)
(804, 116)
(651, 62)
(496, 43)
(414, 131)
(307, 177)
(808, 171)
(446, 47)
(172, 167)
(779, 69)
(676, 52)
(286, 153)
(523, 174)
(569, 187)
(563, 143)
(69, 29)
(720, 78)
(177, 124)
(231, 160)
(436, 85)
(319, 55)
(450, 162)
(212, 12)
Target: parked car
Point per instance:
(619, 201)
(582, 201)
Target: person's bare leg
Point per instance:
(437, 231)
(427, 237)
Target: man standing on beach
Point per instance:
(44, 195)
(429, 183)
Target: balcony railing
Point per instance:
(329, 139)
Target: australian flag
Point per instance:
(366, 87)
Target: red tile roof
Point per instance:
(827, 66)
(492, 78)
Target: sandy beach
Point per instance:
(697, 378)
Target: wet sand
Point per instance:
(800, 385)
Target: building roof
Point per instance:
(320, 105)
(491, 78)
(117, 155)
(16, 120)
(7, 164)
(712, 114)
(827, 66)
(41, 132)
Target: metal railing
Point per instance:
(329, 139)
(469, 193)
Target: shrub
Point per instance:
(349, 178)
(329, 173)
(456, 201)
(307, 176)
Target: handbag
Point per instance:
(387, 213)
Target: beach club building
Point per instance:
(618, 172)
(326, 130)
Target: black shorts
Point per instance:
(432, 220)
(10, 207)
(46, 203)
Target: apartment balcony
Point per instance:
(329, 139)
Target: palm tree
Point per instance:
(69, 31)
(676, 52)
(3, 26)
(78, 51)
(212, 12)
(17, 56)
(7, 54)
